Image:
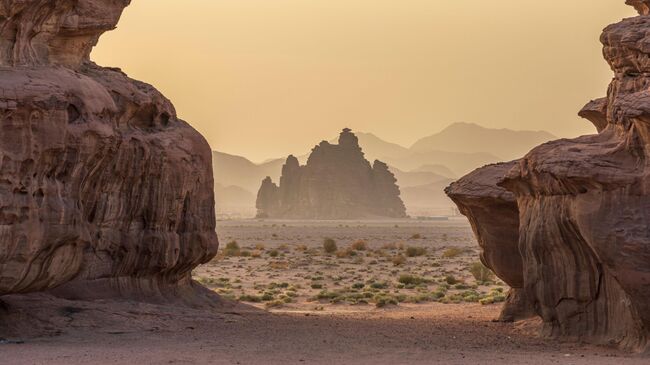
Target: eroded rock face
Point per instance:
(584, 204)
(336, 183)
(103, 190)
(493, 214)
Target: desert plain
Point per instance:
(393, 292)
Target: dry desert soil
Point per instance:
(394, 292)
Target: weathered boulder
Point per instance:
(336, 183)
(584, 204)
(493, 214)
(103, 190)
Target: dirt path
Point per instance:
(109, 332)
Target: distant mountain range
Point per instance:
(506, 144)
(422, 171)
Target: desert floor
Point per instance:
(302, 305)
(283, 264)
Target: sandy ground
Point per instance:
(433, 322)
(108, 332)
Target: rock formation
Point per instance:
(494, 217)
(103, 190)
(336, 183)
(583, 207)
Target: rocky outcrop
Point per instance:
(103, 190)
(583, 206)
(336, 183)
(493, 214)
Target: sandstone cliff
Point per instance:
(103, 190)
(583, 207)
(336, 183)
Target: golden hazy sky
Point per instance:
(264, 78)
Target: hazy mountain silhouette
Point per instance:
(427, 199)
(376, 148)
(233, 198)
(232, 170)
(437, 169)
(415, 178)
(472, 138)
(422, 171)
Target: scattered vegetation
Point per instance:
(359, 245)
(452, 252)
(232, 249)
(329, 245)
(451, 280)
(399, 260)
(481, 273)
(413, 251)
(411, 280)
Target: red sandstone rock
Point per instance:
(103, 190)
(584, 205)
(493, 214)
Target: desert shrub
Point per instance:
(416, 236)
(411, 280)
(301, 247)
(278, 285)
(379, 285)
(451, 280)
(274, 253)
(481, 273)
(358, 285)
(389, 246)
(398, 260)
(346, 253)
(382, 300)
(260, 246)
(232, 248)
(359, 245)
(274, 304)
(250, 298)
(245, 253)
(317, 286)
(329, 245)
(413, 251)
(452, 252)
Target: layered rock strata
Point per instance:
(336, 183)
(583, 207)
(103, 190)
